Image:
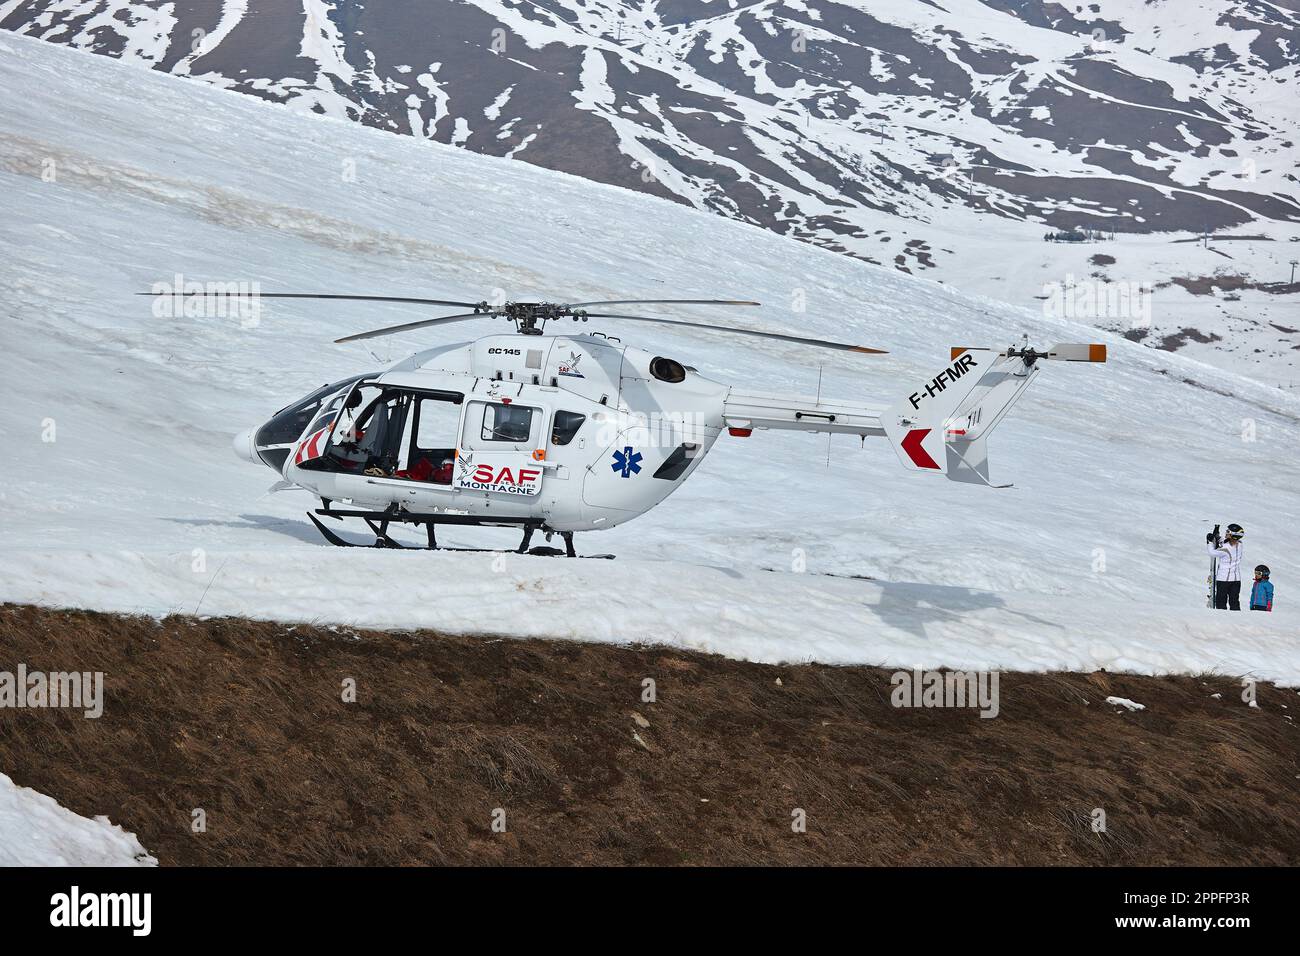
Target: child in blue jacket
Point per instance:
(1261, 592)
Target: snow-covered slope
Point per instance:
(36, 831)
(120, 490)
(941, 137)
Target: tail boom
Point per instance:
(940, 427)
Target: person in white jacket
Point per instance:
(1227, 568)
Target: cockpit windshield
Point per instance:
(274, 439)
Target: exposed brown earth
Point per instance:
(1172, 341)
(1229, 282)
(246, 721)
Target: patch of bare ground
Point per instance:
(246, 721)
(1172, 341)
(1229, 282)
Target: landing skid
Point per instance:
(378, 522)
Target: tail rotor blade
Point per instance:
(799, 339)
(1074, 352)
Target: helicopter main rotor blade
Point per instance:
(574, 305)
(322, 295)
(820, 343)
(422, 324)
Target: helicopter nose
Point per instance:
(243, 445)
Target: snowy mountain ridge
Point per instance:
(693, 94)
(934, 137)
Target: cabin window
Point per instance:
(565, 426)
(437, 422)
(432, 451)
(509, 423)
(675, 465)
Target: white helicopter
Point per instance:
(567, 433)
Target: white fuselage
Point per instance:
(575, 433)
(581, 433)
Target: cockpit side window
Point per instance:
(366, 433)
(327, 414)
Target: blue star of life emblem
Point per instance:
(627, 462)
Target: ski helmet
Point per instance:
(1236, 531)
(1261, 570)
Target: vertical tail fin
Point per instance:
(917, 423)
(942, 427)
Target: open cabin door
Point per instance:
(428, 448)
(387, 445)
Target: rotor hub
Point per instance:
(531, 317)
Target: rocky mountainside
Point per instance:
(910, 133)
